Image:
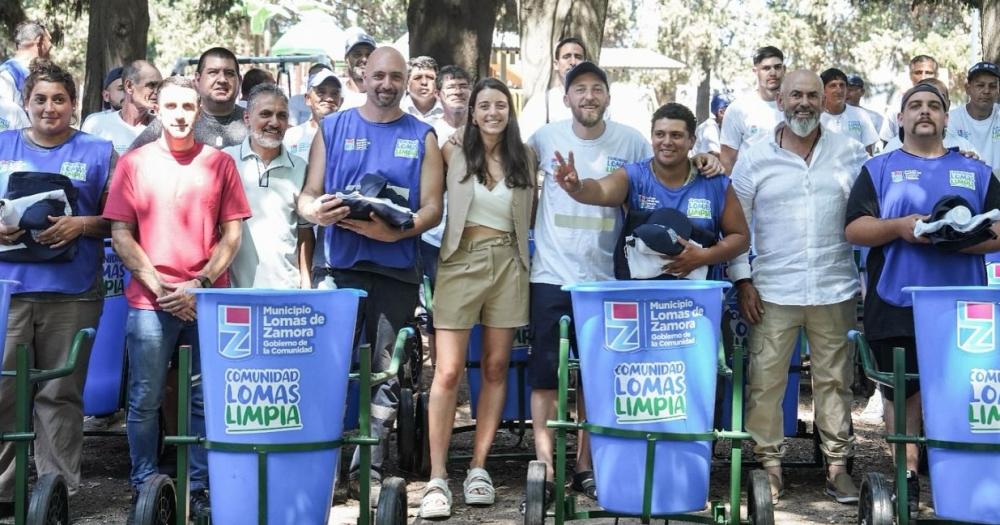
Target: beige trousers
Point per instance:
(771, 344)
(48, 328)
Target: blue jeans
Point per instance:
(152, 337)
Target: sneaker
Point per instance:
(842, 488)
(199, 505)
(913, 491)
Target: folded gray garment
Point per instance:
(958, 218)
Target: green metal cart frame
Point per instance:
(49, 503)
(875, 505)
(163, 503)
(760, 509)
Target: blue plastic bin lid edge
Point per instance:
(652, 285)
(915, 289)
(273, 291)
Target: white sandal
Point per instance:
(478, 487)
(436, 501)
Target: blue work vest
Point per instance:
(85, 160)
(355, 147)
(906, 184)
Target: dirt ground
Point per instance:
(104, 495)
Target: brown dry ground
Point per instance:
(104, 495)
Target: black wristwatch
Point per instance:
(204, 282)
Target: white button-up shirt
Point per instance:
(796, 212)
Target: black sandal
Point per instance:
(583, 482)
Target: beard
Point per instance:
(802, 126)
(264, 140)
(382, 103)
(588, 118)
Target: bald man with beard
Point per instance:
(370, 254)
(793, 186)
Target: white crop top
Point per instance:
(491, 208)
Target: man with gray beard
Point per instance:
(794, 188)
(277, 246)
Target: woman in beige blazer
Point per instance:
(482, 279)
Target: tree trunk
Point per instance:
(704, 100)
(117, 34)
(989, 14)
(544, 23)
(11, 14)
(456, 32)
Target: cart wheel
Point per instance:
(422, 459)
(406, 431)
(760, 508)
(875, 501)
(157, 504)
(49, 503)
(391, 508)
(534, 494)
(414, 359)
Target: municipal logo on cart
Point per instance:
(647, 392)
(992, 273)
(235, 329)
(984, 400)
(976, 327)
(621, 326)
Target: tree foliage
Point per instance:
(715, 38)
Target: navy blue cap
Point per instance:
(112, 75)
(662, 229)
(983, 67)
(719, 102)
(855, 81)
(585, 67)
(358, 39)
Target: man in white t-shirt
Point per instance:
(573, 242)
(754, 115)
(707, 133)
(12, 116)
(855, 92)
(454, 87)
(140, 79)
(356, 50)
(548, 106)
(298, 111)
(323, 97)
(838, 116)
(979, 120)
(31, 41)
(276, 250)
(421, 98)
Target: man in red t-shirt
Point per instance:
(177, 208)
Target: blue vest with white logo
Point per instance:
(906, 184)
(85, 160)
(355, 147)
(701, 200)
